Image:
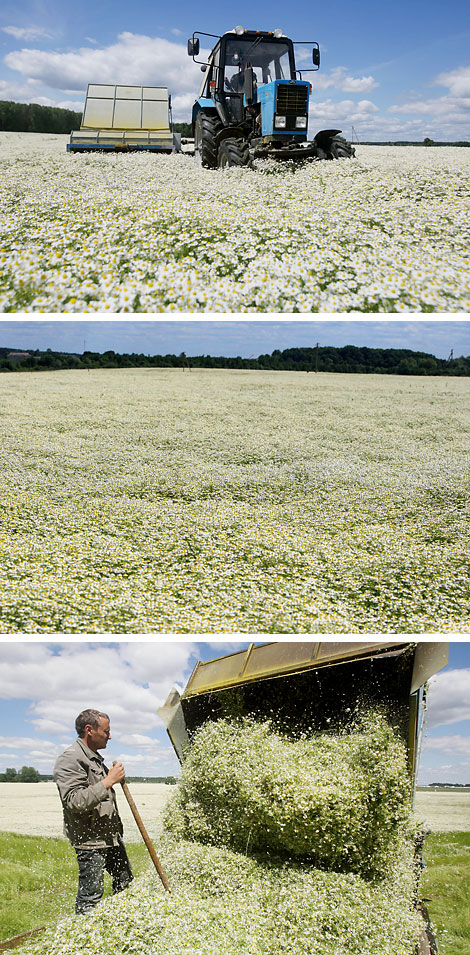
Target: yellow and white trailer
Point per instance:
(126, 119)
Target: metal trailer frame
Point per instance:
(310, 683)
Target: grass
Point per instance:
(38, 880)
(446, 883)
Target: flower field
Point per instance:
(387, 231)
(144, 500)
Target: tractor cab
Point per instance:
(240, 65)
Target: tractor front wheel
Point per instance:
(206, 129)
(233, 152)
(340, 149)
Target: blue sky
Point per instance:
(392, 71)
(232, 338)
(44, 686)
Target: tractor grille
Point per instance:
(291, 102)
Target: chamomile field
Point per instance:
(385, 232)
(145, 500)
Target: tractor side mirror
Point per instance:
(193, 47)
(316, 56)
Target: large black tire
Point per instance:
(206, 128)
(338, 148)
(233, 152)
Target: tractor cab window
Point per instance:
(269, 61)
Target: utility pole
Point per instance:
(316, 357)
(451, 355)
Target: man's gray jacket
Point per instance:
(91, 818)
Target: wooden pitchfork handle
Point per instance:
(145, 837)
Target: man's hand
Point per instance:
(115, 775)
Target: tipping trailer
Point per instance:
(253, 101)
(311, 686)
(126, 119)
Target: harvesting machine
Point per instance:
(125, 119)
(315, 686)
(253, 101)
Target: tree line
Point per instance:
(349, 359)
(28, 774)
(33, 118)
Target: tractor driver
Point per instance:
(91, 819)
(235, 82)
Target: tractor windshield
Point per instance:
(269, 59)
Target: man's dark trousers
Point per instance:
(91, 867)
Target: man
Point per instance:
(91, 819)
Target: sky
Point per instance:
(232, 338)
(391, 71)
(44, 686)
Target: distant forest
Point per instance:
(28, 774)
(349, 359)
(33, 118)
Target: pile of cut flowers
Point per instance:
(272, 845)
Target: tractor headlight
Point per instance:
(301, 122)
(280, 121)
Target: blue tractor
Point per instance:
(253, 102)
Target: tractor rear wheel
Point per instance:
(206, 129)
(233, 152)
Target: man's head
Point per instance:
(93, 728)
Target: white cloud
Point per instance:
(27, 93)
(457, 81)
(26, 742)
(341, 80)
(137, 739)
(75, 104)
(449, 698)
(445, 115)
(129, 682)
(27, 33)
(29, 751)
(452, 745)
(442, 106)
(134, 59)
(329, 114)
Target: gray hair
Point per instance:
(88, 718)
